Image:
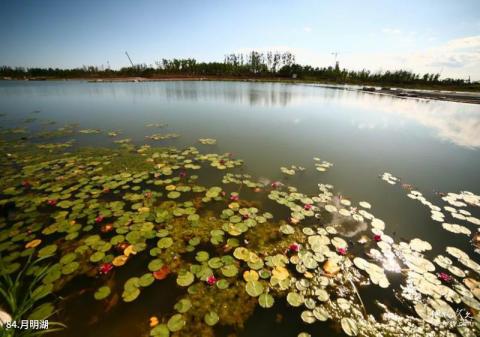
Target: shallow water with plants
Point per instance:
(237, 209)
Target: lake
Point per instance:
(432, 146)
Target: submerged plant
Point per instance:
(22, 292)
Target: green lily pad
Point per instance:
(146, 280)
(70, 268)
(176, 323)
(215, 263)
(266, 300)
(47, 250)
(222, 284)
(349, 326)
(213, 192)
(161, 330)
(102, 292)
(294, 299)
(173, 194)
(202, 256)
(185, 278)
(211, 318)
(166, 242)
(155, 265)
(42, 312)
(229, 270)
(97, 256)
(254, 288)
(183, 305)
(130, 294)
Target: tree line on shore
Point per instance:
(251, 65)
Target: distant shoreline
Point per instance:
(435, 92)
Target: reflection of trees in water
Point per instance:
(255, 94)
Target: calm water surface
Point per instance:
(431, 144)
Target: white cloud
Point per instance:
(393, 31)
(457, 58)
(307, 29)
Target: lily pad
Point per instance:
(183, 305)
(185, 278)
(254, 288)
(294, 299)
(102, 292)
(349, 326)
(211, 318)
(266, 300)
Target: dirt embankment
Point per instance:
(454, 96)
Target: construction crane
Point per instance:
(335, 54)
(126, 53)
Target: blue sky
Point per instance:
(435, 36)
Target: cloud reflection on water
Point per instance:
(455, 122)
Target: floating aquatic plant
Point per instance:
(93, 211)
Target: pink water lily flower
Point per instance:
(342, 251)
(182, 174)
(105, 268)
(307, 207)
(99, 219)
(445, 277)
(211, 280)
(51, 202)
(377, 237)
(294, 247)
(276, 184)
(234, 197)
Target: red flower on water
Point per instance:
(307, 207)
(294, 247)
(342, 251)
(445, 277)
(52, 202)
(276, 184)
(234, 197)
(105, 268)
(222, 161)
(99, 219)
(182, 174)
(245, 216)
(377, 237)
(211, 280)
